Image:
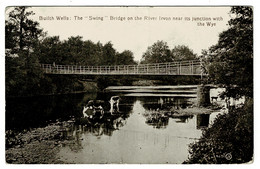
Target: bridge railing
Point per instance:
(170, 68)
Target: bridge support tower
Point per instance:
(203, 96)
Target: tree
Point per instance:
(22, 65)
(125, 58)
(182, 52)
(22, 33)
(50, 50)
(75, 48)
(230, 62)
(157, 53)
(109, 54)
(92, 53)
(27, 46)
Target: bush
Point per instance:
(229, 140)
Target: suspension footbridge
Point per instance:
(192, 67)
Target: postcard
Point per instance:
(129, 85)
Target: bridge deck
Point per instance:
(171, 68)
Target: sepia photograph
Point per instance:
(129, 85)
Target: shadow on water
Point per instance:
(202, 121)
(184, 119)
(32, 112)
(141, 132)
(25, 113)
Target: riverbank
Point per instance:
(38, 146)
(228, 141)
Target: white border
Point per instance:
(5, 3)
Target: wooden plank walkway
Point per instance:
(171, 68)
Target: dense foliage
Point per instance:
(229, 140)
(22, 34)
(27, 46)
(230, 62)
(160, 52)
(76, 51)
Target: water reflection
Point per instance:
(107, 122)
(141, 131)
(156, 118)
(202, 120)
(128, 138)
(163, 103)
(100, 121)
(97, 129)
(157, 110)
(25, 113)
(184, 119)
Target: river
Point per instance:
(130, 137)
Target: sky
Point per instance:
(136, 28)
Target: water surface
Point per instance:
(133, 135)
(131, 138)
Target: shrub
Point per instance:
(229, 140)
